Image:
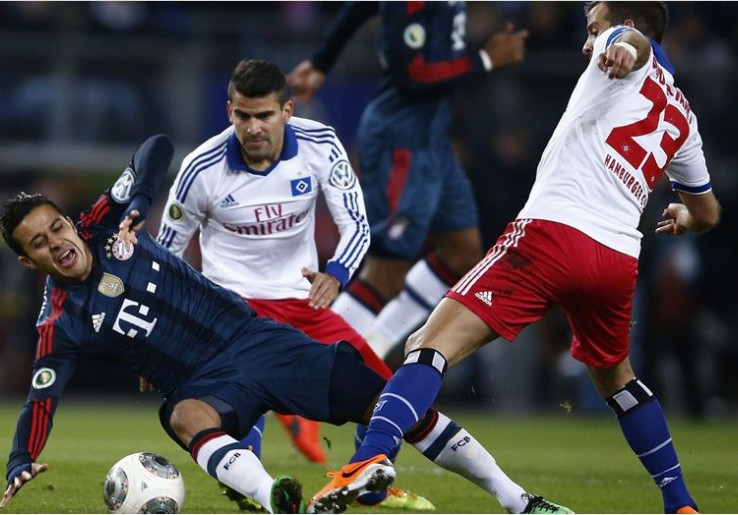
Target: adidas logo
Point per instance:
(229, 201)
(665, 481)
(97, 321)
(484, 296)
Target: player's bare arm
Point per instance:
(323, 290)
(628, 53)
(20, 480)
(697, 214)
(506, 47)
(305, 80)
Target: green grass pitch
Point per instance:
(583, 463)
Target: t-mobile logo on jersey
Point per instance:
(130, 318)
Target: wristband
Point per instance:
(629, 48)
(486, 60)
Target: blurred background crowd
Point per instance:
(81, 84)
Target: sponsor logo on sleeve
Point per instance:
(121, 190)
(43, 378)
(342, 176)
(175, 212)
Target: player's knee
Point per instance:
(191, 416)
(608, 381)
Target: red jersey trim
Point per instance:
(415, 7)
(423, 72)
(46, 331)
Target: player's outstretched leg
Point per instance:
(644, 427)
(372, 475)
(225, 459)
(305, 434)
(252, 442)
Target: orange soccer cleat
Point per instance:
(687, 509)
(373, 475)
(305, 434)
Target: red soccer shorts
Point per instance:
(323, 325)
(536, 264)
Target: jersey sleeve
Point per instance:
(55, 362)
(351, 16)
(410, 56)
(134, 189)
(345, 201)
(688, 169)
(185, 209)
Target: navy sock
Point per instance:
(644, 427)
(252, 440)
(371, 498)
(403, 402)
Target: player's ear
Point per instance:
(287, 110)
(27, 262)
(229, 110)
(629, 23)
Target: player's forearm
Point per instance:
(640, 43)
(150, 164)
(31, 434)
(347, 21)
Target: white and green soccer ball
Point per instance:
(144, 483)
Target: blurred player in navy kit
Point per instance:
(414, 187)
(114, 292)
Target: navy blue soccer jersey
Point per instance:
(424, 52)
(149, 310)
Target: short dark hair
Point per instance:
(15, 210)
(256, 78)
(651, 18)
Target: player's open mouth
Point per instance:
(67, 258)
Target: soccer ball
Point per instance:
(144, 483)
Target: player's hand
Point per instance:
(507, 46)
(127, 231)
(144, 385)
(323, 290)
(18, 481)
(617, 62)
(676, 220)
(304, 81)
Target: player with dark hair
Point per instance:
(414, 187)
(575, 244)
(252, 191)
(116, 293)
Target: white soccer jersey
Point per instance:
(257, 229)
(612, 145)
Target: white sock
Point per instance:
(354, 312)
(423, 290)
(225, 459)
(453, 448)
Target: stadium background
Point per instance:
(81, 84)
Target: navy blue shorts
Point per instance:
(277, 367)
(411, 193)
